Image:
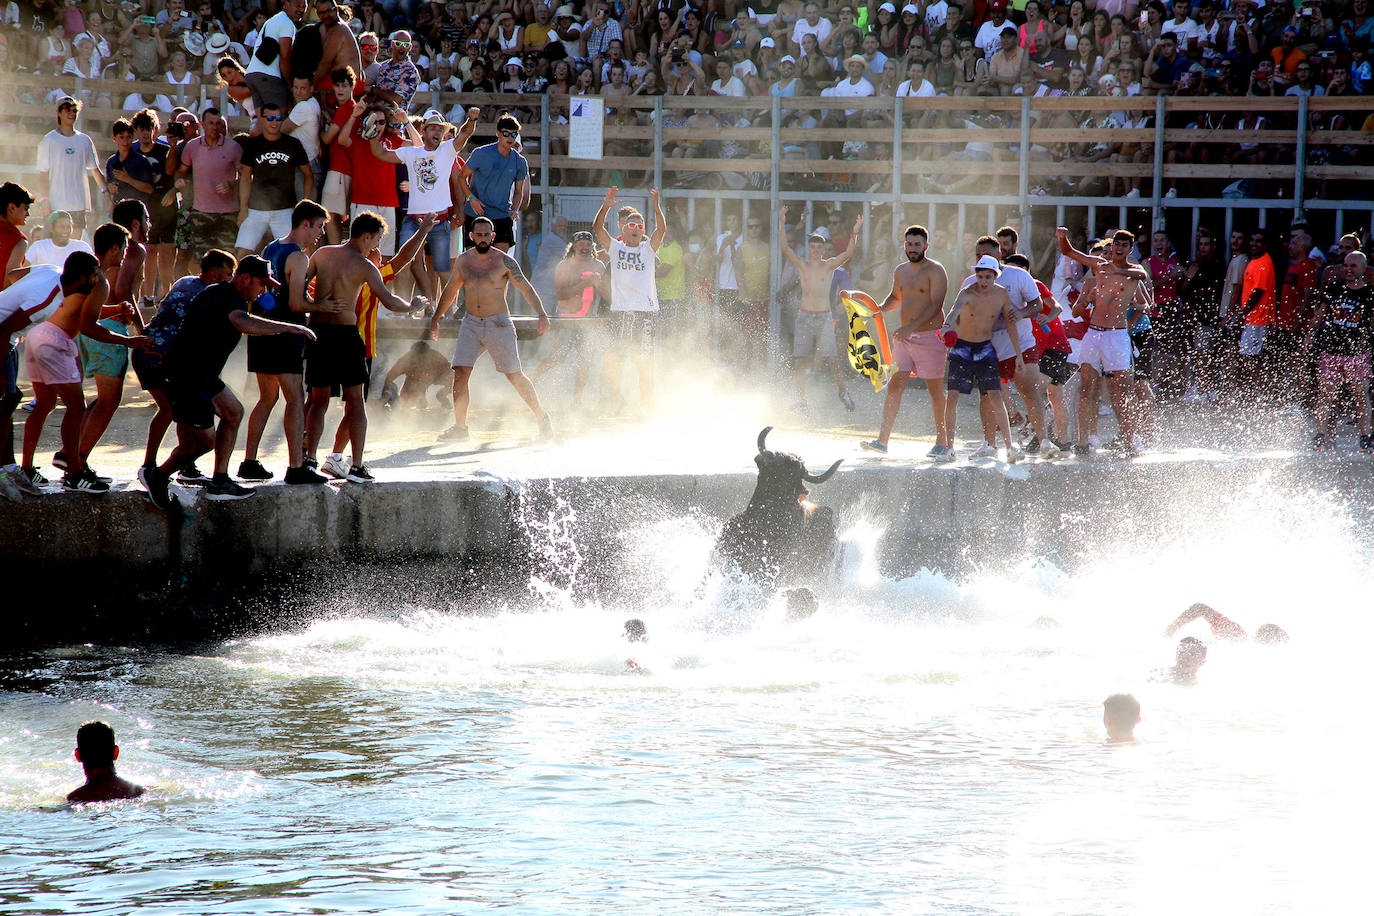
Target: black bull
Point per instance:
(780, 535)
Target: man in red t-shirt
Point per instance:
(15, 201)
(338, 181)
(375, 185)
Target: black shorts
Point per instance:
(972, 363)
(193, 400)
(276, 354)
(162, 225)
(9, 387)
(1055, 365)
(336, 358)
(148, 367)
(505, 230)
(1143, 357)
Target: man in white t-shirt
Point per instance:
(269, 70)
(634, 292)
(54, 249)
(429, 165)
(303, 123)
(726, 83)
(936, 13)
(915, 85)
(810, 23)
(65, 157)
(1187, 30)
(989, 37)
(855, 85)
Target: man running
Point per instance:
(486, 273)
(634, 291)
(279, 360)
(1106, 347)
(972, 355)
(338, 357)
(814, 327)
(919, 286)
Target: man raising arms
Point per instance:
(338, 357)
(634, 290)
(919, 286)
(487, 325)
(814, 326)
(1106, 348)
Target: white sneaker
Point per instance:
(1094, 443)
(1103, 410)
(336, 466)
(985, 451)
(1133, 193)
(1014, 454)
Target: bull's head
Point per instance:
(783, 472)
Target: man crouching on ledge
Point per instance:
(97, 751)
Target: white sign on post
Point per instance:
(584, 131)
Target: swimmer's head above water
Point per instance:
(635, 631)
(1120, 714)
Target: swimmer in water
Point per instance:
(635, 631)
(1224, 627)
(97, 751)
(801, 604)
(1188, 658)
(1120, 714)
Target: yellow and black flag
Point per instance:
(869, 358)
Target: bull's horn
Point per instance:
(822, 478)
(764, 435)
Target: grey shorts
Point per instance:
(496, 335)
(811, 329)
(269, 89)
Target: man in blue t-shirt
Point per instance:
(495, 181)
(128, 175)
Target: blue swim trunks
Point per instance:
(972, 363)
(101, 358)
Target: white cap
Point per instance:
(888, 7)
(516, 62)
(433, 117)
(911, 8)
(767, 43)
(787, 59)
(988, 262)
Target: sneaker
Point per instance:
(227, 488)
(455, 434)
(1033, 445)
(1103, 410)
(21, 480)
(1133, 193)
(155, 482)
(309, 461)
(193, 477)
(947, 456)
(847, 401)
(1367, 443)
(1051, 449)
(1094, 442)
(1081, 451)
(1318, 442)
(84, 481)
(873, 445)
(305, 474)
(985, 451)
(59, 461)
(360, 474)
(545, 432)
(34, 478)
(9, 488)
(335, 466)
(252, 469)
(935, 451)
(30, 404)
(1061, 446)
(1014, 454)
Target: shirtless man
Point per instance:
(972, 356)
(338, 356)
(1120, 715)
(97, 752)
(340, 47)
(1224, 627)
(576, 281)
(487, 325)
(814, 326)
(50, 355)
(423, 367)
(1106, 347)
(919, 286)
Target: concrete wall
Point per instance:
(220, 565)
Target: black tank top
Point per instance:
(307, 50)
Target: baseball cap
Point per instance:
(997, 5)
(433, 116)
(988, 262)
(254, 266)
(855, 58)
(787, 59)
(911, 8)
(767, 43)
(515, 62)
(564, 10)
(888, 8)
(737, 43)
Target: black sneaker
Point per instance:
(455, 434)
(155, 482)
(192, 476)
(226, 488)
(1367, 443)
(84, 481)
(360, 474)
(1062, 446)
(302, 474)
(1081, 451)
(33, 477)
(309, 461)
(59, 460)
(1032, 446)
(847, 401)
(252, 469)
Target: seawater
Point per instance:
(920, 746)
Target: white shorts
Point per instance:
(1001, 340)
(393, 227)
(258, 223)
(1106, 351)
(1252, 339)
(335, 196)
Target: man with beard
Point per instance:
(919, 286)
(487, 325)
(340, 47)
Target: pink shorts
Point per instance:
(1352, 369)
(923, 354)
(50, 356)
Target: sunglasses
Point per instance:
(273, 118)
(639, 226)
(510, 134)
(755, 226)
(400, 44)
(394, 125)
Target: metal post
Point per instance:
(774, 207)
(1300, 161)
(658, 142)
(1158, 192)
(1023, 177)
(896, 163)
(545, 141)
